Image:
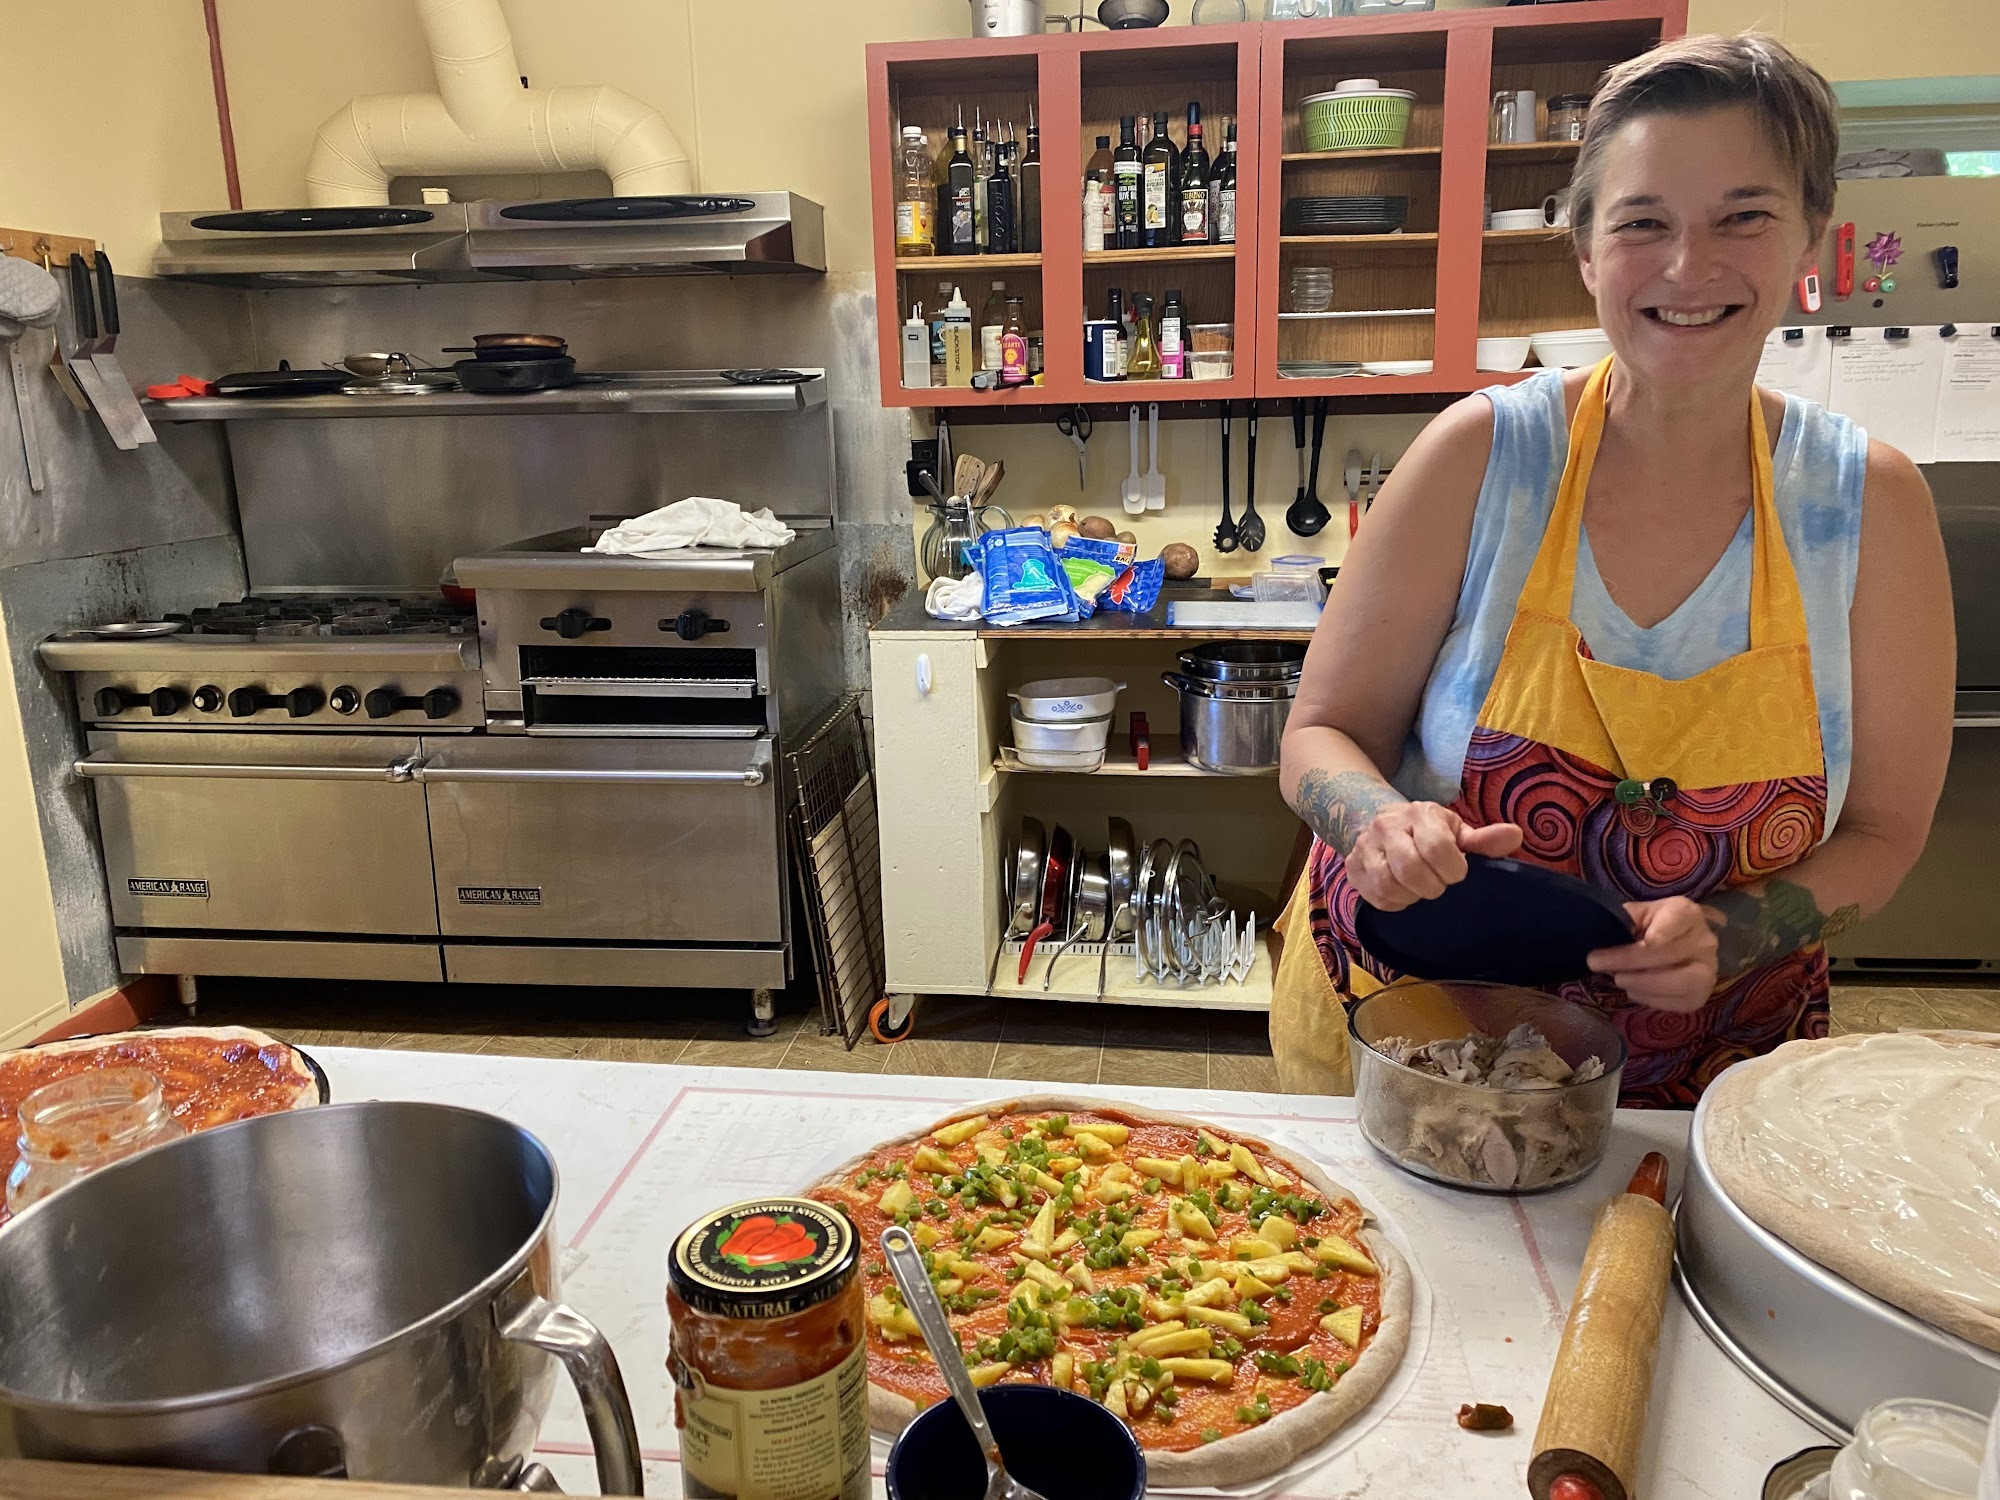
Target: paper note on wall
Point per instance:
(1968, 421)
(1800, 366)
(1890, 386)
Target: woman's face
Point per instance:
(1698, 238)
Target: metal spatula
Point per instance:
(906, 1264)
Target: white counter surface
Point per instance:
(643, 1149)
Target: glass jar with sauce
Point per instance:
(78, 1124)
(1568, 114)
(768, 1353)
(1909, 1449)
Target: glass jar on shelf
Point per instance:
(1568, 114)
(74, 1126)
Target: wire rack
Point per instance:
(837, 850)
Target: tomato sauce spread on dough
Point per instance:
(205, 1080)
(1180, 1275)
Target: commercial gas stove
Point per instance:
(565, 769)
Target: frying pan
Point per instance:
(515, 377)
(1121, 859)
(1055, 887)
(1090, 907)
(513, 346)
(1027, 878)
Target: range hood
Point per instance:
(561, 239)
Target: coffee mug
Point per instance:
(1555, 210)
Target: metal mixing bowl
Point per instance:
(1466, 1135)
(1129, 15)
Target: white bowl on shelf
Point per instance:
(1571, 348)
(1502, 356)
(1519, 218)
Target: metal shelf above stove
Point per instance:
(597, 394)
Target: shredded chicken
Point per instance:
(1529, 1132)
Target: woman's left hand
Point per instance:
(1672, 965)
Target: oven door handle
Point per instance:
(438, 772)
(93, 767)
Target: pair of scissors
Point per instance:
(1075, 424)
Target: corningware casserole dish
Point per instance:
(1064, 700)
(1071, 734)
(1467, 1135)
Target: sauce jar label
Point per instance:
(796, 1442)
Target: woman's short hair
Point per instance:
(1791, 101)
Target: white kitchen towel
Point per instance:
(694, 522)
(956, 598)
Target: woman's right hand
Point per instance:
(1411, 851)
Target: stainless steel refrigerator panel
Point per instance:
(635, 968)
(1946, 915)
(1968, 508)
(607, 841)
(264, 833)
(287, 958)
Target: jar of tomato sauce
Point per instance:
(768, 1352)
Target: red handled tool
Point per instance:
(1142, 742)
(1843, 262)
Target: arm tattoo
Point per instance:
(1339, 807)
(1768, 922)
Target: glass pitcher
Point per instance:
(76, 1125)
(955, 525)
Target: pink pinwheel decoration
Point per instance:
(1885, 250)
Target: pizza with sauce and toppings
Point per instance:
(208, 1076)
(1228, 1301)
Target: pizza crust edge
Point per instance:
(1258, 1452)
(1730, 1159)
(302, 1075)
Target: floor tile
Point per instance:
(958, 1018)
(428, 1041)
(811, 1052)
(1244, 1072)
(1239, 1031)
(532, 1046)
(925, 1057)
(1161, 1068)
(1966, 1008)
(1058, 1023)
(1873, 1008)
(1053, 1064)
(717, 1049)
(634, 1049)
(1155, 1028)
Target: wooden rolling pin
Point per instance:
(1594, 1417)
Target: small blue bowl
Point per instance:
(1064, 1445)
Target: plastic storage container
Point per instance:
(1356, 119)
(1382, 7)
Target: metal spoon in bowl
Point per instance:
(906, 1264)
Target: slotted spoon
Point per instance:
(1225, 532)
(1250, 530)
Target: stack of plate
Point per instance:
(1317, 369)
(1354, 213)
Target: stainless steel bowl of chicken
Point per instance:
(1484, 1086)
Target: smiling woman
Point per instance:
(1644, 624)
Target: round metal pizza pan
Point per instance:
(1820, 1344)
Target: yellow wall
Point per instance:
(32, 994)
(110, 118)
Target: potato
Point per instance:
(1181, 559)
(1097, 528)
(1130, 538)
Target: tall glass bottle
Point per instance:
(960, 196)
(982, 169)
(1127, 184)
(1000, 235)
(1100, 222)
(1195, 226)
(1031, 189)
(1145, 361)
(1222, 193)
(916, 196)
(1115, 313)
(1014, 344)
(992, 322)
(1159, 166)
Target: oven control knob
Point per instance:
(166, 702)
(343, 700)
(110, 703)
(574, 623)
(693, 624)
(304, 702)
(381, 702)
(440, 703)
(208, 699)
(244, 702)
